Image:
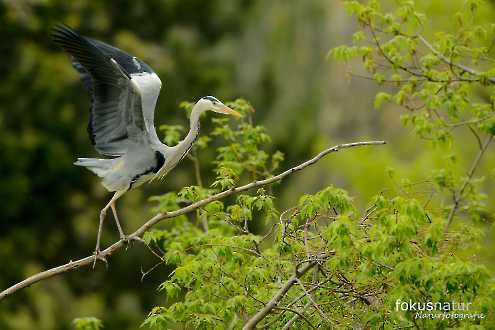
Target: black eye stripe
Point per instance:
(212, 99)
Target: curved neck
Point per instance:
(194, 124)
(186, 144)
(180, 150)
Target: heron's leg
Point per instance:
(97, 253)
(100, 227)
(117, 222)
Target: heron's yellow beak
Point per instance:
(228, 111)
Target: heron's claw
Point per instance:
(99, 256)
(126, 240)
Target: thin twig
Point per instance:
(296, 317)
(197, 170)
(298, 314)
(469, 122)
(310, 297)
(368, 213)
(72, 265)
(311, 292)
(476, 136)
(420, 74)
(458, 196)
(277, 297)
(145, 273)
(449, 62)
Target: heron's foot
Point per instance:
(125, 239)
(136, 238)
(97, 255)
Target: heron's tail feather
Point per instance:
(98, 166)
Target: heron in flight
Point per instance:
(124, 91)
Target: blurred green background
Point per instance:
(272, 53)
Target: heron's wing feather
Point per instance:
(129, 63)
(145, 79)
(116, 113)
(85, 76)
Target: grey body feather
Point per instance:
(124, 91)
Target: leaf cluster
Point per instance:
(445, 82)
(363, 263)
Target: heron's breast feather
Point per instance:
(118, 165)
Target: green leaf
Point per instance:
(87, 323)
(380, 98)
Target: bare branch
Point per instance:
(311, 291)
(469, 122)
(197, 171)
(368, 213)
(476, 136)
(277, 297)
(310, 297)
(72, 265)
(295, 317)
(458, 195)
(298, 314)
(314, 281)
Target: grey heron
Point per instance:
(124, 91)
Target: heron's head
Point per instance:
(212, 103)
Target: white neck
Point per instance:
(177, 152)
(184, 145)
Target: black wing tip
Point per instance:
(61, 26)
(60, 29)
(61, 34)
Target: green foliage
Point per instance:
(400, 248)
(87, 323)
(172, 133)
(244, 154)
(367, 262)
(445, 81)
(224, 273)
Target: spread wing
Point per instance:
(123, 89)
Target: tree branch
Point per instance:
(449, 62)
(72, 265)
(295, 317)
(260, 315)
(458, 196)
